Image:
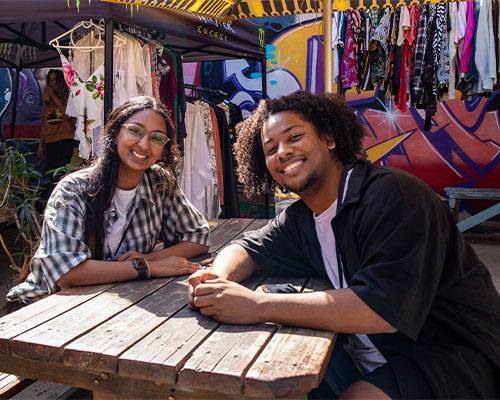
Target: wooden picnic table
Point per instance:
(138, 339)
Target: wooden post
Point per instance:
(108, 68)
(327, 47)
(13, 102)
(264, 97)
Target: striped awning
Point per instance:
(242, 9)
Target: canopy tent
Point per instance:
(26, 27)
(242, 9)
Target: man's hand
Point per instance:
(227, 302)
(196, 279)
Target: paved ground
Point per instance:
(485, 241)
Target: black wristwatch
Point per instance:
(142, 267)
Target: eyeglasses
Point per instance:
(157, 139)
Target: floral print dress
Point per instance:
(88, 99)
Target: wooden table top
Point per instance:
(139, 339)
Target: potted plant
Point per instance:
(20, 191)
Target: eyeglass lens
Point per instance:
(156, 138)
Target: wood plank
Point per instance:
(99, 349)
(91, 380)
(221, 359)
(294, 360)
(222, 239)
(103, 382)
(162, 353)
(256, 224)
(46, 341)
(228, 231)
(44, 310)
(473, 193)
(10, 385)
(221, 362)
(291, 364)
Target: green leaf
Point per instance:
(94, 79)
(90, 86)
(95, 95)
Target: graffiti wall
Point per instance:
(461, 149)
(29, 103)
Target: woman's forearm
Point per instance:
(183, 249)
(93, 272)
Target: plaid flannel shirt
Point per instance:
(152, 216)
(420, 51)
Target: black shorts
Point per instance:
(342, 372)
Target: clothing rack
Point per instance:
(207, 90)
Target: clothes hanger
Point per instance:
(96, 29)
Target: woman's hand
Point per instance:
(49, 92)
(172, 266)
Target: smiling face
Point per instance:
(138, 155)
(296, 156)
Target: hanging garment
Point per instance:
(469, 34)
(218, 155)
(335, 43)
(231, 205)
(485, 57)
(88, 99)
(147, 87)
(379, 50)
(420, 49)
(168, 84)
(363, 53)
(197, 168)
(348, 66)
(452, 49)
(204, 110)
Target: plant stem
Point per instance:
(13, 263)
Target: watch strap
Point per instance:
(142, 268)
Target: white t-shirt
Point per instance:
(365, 355)
(121, 200)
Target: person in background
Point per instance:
(57, 143)
(416, 311)
(102, 223)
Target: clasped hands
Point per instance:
(223, 300)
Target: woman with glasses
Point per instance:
(102, 224)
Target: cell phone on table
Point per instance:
(279, 288)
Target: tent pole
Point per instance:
(264, 97)
(108, 68)
(15, 89)
(327, 46)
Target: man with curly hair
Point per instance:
(416, 310)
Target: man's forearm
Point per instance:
(234, 263)
(336, 310)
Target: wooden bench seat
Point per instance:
(10, 385)
(455, 194)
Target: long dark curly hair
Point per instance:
(329, 115)
(103, 175)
